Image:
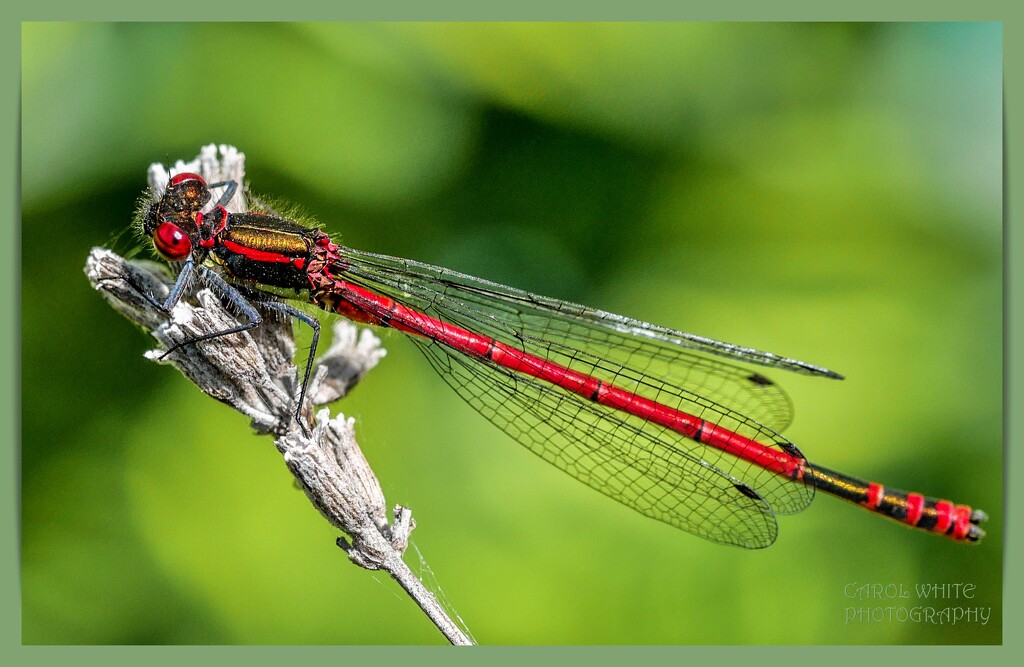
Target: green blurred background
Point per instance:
(830, 192)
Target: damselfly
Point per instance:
(663, 421)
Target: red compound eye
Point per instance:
(177, 179)
(172, 242)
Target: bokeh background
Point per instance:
(830, 192)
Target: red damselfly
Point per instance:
(663, 421)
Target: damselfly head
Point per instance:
(171, 221)
(184, 198)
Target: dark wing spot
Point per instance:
(747, 491)
(761, 380)
(790, 449)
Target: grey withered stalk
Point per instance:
(254, 373)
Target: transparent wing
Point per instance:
(620, 456)
(654, 470)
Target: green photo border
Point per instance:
(465, 10)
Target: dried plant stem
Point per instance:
(254, 373)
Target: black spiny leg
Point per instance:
(236, 298)
(314, 324)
